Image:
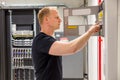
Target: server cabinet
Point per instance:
(3, 51)
(22, 32)
(18, 27)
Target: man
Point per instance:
(47, 52)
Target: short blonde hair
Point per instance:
(42, 13)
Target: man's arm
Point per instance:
(59, 48)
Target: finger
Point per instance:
(97, 23)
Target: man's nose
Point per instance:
(60, 20)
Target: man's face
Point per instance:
(54, 20)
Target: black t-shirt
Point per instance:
(47, 67)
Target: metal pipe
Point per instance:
(29, 6)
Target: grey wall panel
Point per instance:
(73, 64)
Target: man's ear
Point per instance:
(46, 18)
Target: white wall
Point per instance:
(111, 40)
(92, 47)
(118, 39)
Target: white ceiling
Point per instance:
(68, 3)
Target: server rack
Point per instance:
(22, 32)
(18, 28)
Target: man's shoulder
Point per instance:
(40, 35)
